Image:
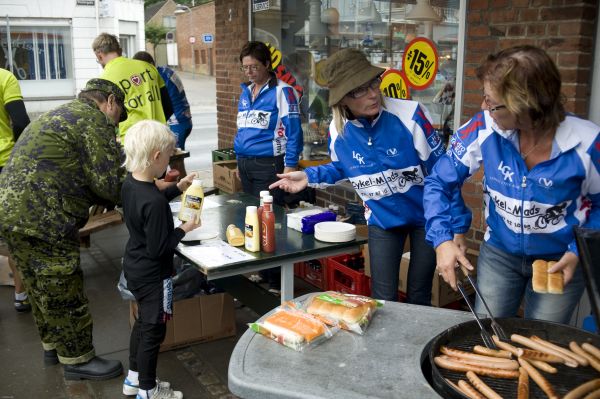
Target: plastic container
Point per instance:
(261, 195)
(191, 203)
(267, 227)
(344, 279)
(251, 230)
(234, 236)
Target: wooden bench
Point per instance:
(100, 218)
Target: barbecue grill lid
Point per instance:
(588, 244)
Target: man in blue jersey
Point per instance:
(180, 121)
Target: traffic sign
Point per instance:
(420, 63)
(207, 38)
(192, 39)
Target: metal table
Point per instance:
(383, 363)
(291, 246)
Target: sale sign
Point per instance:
(393, 84)
(420, 63)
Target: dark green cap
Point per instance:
(108, 87)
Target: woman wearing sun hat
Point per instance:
(385, 147)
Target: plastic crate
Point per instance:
(342, 278)
(315, 272)
(224, 154)
(299, 269)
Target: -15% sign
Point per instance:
(393, 84)
(420, 63)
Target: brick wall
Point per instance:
(231, 18)
(202, 21)
(564, 28)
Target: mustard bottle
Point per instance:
(251, 230)
(191, 203)
(234, 236)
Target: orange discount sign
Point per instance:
(420, 63)
(393, 84)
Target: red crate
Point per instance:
(344, 279)
(299, 269)
(315, 272)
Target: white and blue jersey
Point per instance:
(386, 161)
(269, 126)
(528, 212)
(181, 120)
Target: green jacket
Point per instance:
(63, 162)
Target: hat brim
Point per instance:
(358, 79)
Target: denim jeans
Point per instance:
(385, 252)
(504, 280)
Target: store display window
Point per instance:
(415, 41)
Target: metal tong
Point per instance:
(487, 338)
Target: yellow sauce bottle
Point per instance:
(251, 230)
(191, 203)
(234, 235)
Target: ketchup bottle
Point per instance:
(259, 211)
(267, 231)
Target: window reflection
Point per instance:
(310, 31)
(38, 53)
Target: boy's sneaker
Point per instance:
(22, 306)
(130, 389)
(163, 393)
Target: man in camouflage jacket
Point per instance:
(64, 162)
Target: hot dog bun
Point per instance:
(556, 281)
(338, 312)
(539, 280)
(294, 327)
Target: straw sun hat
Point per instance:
(344, 71)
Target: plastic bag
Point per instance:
(350, 312)
(123, 290)
(293, 328)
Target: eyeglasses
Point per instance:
(253, 68)
(491, 109)
(362, 91)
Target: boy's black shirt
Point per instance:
(152, 238)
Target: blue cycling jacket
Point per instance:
(182, 116)
(528, 212)
(269, 126)
(386, 161)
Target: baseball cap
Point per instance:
(108, 87)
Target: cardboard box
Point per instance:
(225, 177)
(199, 319)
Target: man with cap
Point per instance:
(385, 147)
(63, 162)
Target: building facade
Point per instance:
(463, 33)
(196, 39)
(49, 43)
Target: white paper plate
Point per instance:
(200, 234)
(335, 231)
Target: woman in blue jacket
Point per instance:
(385, 148)
(541, 178)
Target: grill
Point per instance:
(466, 335)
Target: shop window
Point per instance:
(310, 31)
(38, 53)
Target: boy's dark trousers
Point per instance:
(147, 334)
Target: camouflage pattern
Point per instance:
(64, 162)
(108, 87)
(53, 279)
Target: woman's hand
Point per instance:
(448, 257)
(461, 242)
(567, 265)
(292, 182)
(186, 182)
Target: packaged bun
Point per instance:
(350, 312)
(293, 328)
(544, 282)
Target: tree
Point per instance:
(155, 34)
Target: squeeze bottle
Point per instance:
(251, 230)
(191, 203)
(259, 211)
(267, 230)
(234, 235)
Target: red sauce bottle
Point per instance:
(267, 231)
